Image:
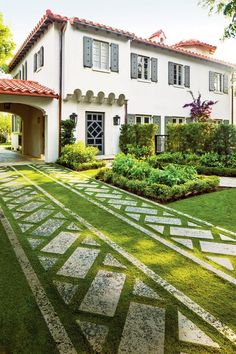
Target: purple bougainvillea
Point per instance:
(200, 110)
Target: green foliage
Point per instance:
(67, 132)
(5, 125)
(227, 8)
(77, 153)
(88, 165)
(3, 139)
(139, 137)
(191, 137)
(128, 166)
(157, 191)
(6, 43)
(225, 139)
(217, 171)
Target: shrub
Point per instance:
(225, 139)
(139, 152)
(191, 137)
(160, 192)
(67, 132)
(210, 160)
(88, 165)
(77, 153)
(3, 139)
(138, 136)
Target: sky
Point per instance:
(179, 19)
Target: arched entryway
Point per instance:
(32, 133)
(38, 108)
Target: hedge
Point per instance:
(138, 136)
(160, 192)
(216, 171)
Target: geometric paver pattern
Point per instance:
(68, 259)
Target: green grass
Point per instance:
(209, 291)
(201, 285)
(218, 208)
(23, 330)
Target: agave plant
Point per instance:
(200, 110)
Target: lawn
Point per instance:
(199, 284)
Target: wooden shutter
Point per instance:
(41, 56)
(211, 81)
(131, 119)
(88, 52)
(226, 83)
(170, 73)
(187, 76)
(35, 62)
(23, 72)
(154, 69)
(26, 74)
(114, 57)
(134, 66)
(157, 120)
(167, 121)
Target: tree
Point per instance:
(227, 8)
(6, 43)
(200, 110)
(5, 125)
(67, 132)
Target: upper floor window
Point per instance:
(140, 119)
(39, 59)
(143, 67)
(218, 82)
(100, 55)
(178, 74)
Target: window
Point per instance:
(178, 74)
(39, 59)
(24, 71)
(218, 82)
(142, 119)
(178, 120)
(100, 55)
(143, 68)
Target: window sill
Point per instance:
(145, 81)
(218, 92)
(179, 86)
(102, 70)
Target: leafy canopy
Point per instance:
(6, 43)
(228, 9)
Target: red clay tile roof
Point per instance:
(49, 18)
(76, 20)
(157, 34)
(25, 88)
(38, 30)
(195, 43)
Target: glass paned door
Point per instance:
(95, 130)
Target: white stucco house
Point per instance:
(105, 77)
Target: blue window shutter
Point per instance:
(131, 119)
(187, 76)
(26, 74)
(88, 52)
(170, 73)
(226, 84)
(134, 66)
(211, 81)
(23, 72)
(114, 57)
(157, 120)
(154, 69)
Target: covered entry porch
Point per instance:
(37, 106)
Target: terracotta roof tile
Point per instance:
(196, 43)
(25, 88)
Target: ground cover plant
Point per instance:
(79, 157)
(169, 183)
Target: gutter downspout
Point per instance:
(62, 31)
(232, 99)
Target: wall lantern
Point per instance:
(74, 117)
(116, 120)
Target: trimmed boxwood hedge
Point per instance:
(160, 192)
(217, 171)
(84, 166)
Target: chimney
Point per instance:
(158, 37)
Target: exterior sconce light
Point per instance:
(116, 120)
(74, 117)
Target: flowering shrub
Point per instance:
(200, 110)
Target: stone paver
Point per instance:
(61, 243)
(228, 182)
(94, 333)
(141, 289)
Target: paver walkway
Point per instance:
(12, 157)
(114, 302)
(228, 182)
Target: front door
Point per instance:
(95, 130)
